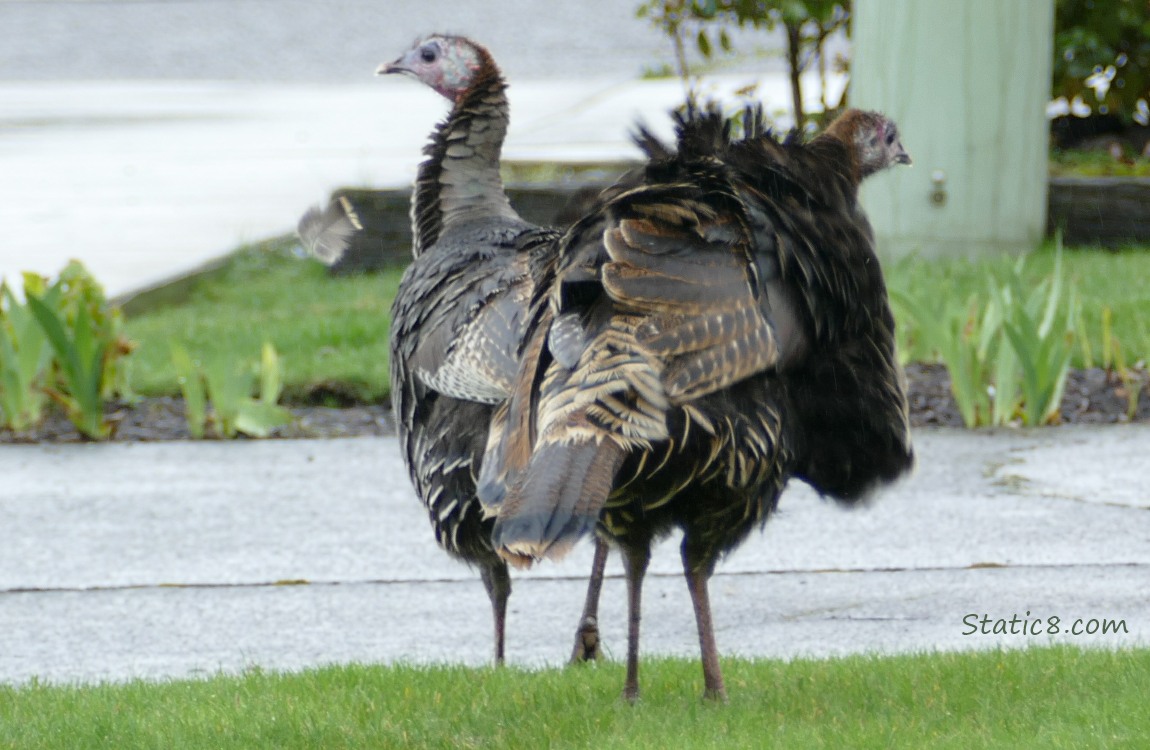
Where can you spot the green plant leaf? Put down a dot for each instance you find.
(192, 386)
(1053, 297)
(258, 418)
(1083, 340)
(956, 332)
(81, 398)
(704, 43)
(24, 357)
(271, 379)
(229, 386)
(21, 401)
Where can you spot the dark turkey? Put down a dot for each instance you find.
(458, 318)
(695, 342)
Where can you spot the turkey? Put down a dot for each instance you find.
(458, 317)
(694, 342)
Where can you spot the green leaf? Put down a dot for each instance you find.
(24, 357)
(1107, 338)
(1083, 340)
(229, 386)
(271, 379)
(1006, 392)
(794, 11)
(259, 418)
(81, 378)
(192, 386)
(34, 284)
(704, 43)
(20, 402)
(705, 8)
(1053, 296)
(956, 332)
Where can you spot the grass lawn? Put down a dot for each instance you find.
(1050, 697)
(1096, 163)
(332, 332)
(1119, 280)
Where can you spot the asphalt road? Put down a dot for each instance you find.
(182, 559)
(337, 41)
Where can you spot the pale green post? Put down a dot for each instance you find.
(967, 81)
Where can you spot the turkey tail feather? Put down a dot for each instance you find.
(557, 501)
(512, 430)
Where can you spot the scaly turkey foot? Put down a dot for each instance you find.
(586, 641)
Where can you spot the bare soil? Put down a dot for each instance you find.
(1092, 396)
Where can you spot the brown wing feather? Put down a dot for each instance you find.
(692, 279)
(678, 317)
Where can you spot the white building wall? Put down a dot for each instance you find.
(967, 81)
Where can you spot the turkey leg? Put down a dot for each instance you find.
(587, 634)
(698, 572)
(497, 581)
(635, 560)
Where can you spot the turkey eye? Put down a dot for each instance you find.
(890, 138)
(428, 55)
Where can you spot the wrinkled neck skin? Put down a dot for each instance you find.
(460, 181)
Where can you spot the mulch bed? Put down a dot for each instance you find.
(1092, 397)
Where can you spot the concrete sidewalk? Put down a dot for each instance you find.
(178, 559)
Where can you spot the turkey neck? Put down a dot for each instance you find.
(838, 145)
(460, 181)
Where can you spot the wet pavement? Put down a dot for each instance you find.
(182, 559)
(332, 41)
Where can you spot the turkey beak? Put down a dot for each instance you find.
(391, 67)
(401, 65)
(902, 157)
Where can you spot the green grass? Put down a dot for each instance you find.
(1120, 280)
(1096, 164)
(1041, 697)
(330, 332)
